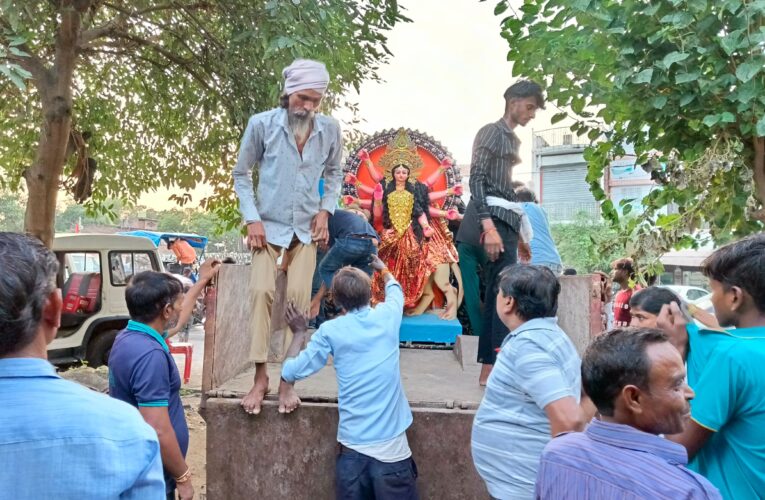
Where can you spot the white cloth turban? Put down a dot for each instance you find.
(305, 74)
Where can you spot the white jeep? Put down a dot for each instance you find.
(93, 272)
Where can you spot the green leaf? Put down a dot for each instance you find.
(711, 120)
(666, 220)
(748, 91)
(558, 117)
(686, 99)
(644, 76)
(727, 117)
(687, 77)
(748, 70)
(760, 128)
(674, 57)
(659, 101)
(678, 20)
(730, 42)
(500, 8)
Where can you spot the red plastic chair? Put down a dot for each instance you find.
(187, 349)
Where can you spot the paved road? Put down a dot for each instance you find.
(197, 339)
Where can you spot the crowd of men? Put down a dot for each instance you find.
(661, 410)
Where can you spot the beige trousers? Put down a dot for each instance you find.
(301, 260)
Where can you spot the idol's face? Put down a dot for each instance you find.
(400, 174)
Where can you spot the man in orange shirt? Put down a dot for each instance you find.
(185, 255)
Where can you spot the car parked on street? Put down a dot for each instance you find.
(687, 293)
(93, 272)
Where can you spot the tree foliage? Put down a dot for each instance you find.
(11, 213)
(681, 80)
(158, 92)
(581, 243)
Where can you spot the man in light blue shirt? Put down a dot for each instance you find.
(533, 392)
(57, 438)
(375, 461)
(291, 148)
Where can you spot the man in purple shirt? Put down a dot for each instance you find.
(636, 379)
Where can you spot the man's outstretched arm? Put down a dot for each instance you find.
(299, 365)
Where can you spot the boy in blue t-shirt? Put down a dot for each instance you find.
(725, 437)
(543, 249)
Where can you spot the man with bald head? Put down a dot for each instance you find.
(291, 147)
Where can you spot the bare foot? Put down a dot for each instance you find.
(451, 304)
(450, 312)
(288, 398)
(252, 401)
(484, 376)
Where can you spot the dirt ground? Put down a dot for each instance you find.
(196, 458)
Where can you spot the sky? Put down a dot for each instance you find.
(446, 78)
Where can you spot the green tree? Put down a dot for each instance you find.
(173, 221)
(581, 243)
(133, 95)
(11, 213)
(681, 80)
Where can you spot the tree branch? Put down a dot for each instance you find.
(157, 8)
(186, 64)
(100, 31)
(758, 166)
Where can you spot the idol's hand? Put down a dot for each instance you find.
(363, 155)
(456, 190)
(452, 214)
(446, 163)
(378, 193)
(349, 200)
(351, 179)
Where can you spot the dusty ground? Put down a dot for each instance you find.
(196, 458)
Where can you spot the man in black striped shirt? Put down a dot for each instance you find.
(488, 221)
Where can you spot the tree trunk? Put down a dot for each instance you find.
(759, 175)
(55, 91)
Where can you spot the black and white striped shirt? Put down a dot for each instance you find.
(495, 153)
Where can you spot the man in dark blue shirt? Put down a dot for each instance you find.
(142, 371)
(352, 242)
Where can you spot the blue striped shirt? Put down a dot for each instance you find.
(610, 460)
(537, 365)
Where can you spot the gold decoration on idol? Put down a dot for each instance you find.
(401, 151)
(400, 207)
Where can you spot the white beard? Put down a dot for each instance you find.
(301, 126)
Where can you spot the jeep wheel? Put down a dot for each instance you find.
(99, 348)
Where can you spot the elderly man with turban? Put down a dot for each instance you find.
(292, 147)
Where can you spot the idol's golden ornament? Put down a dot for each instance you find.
(401, 151)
